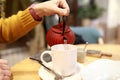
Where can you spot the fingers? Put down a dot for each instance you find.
(65, 7)
(1, 76)
(6, 78)
(62, 7)
(51, 7)
(3, 61)
(4, 64)
(4, 70)
(4, 67)
(5, 74)
(62, 12)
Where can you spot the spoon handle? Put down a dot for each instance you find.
(57, 76)
(60, 19)
(64, 24)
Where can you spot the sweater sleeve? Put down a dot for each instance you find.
(16, 26)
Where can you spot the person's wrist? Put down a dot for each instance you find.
(34, 15)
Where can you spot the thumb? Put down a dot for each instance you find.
(62, 12)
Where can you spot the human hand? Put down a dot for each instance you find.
(51, 7)
(4, 70)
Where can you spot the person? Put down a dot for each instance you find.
(14, 27)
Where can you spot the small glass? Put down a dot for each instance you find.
(81, 55)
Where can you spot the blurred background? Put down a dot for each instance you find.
(103, 15)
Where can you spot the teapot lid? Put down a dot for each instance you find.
(59, 28)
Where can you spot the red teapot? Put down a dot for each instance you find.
(57, 33)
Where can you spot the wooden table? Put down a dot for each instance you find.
(28, 69)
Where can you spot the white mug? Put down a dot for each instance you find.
(64, 60)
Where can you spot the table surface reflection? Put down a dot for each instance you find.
(28, 69)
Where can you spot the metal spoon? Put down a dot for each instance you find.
(57, 76)
(85, 46)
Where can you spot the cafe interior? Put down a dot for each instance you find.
(95, 25)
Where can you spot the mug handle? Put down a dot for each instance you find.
(42, 55)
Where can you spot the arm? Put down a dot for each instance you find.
(18, 25)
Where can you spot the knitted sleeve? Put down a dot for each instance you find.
(16, 26)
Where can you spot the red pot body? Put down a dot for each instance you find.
(55, 35)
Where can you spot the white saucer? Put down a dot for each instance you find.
(45, 75)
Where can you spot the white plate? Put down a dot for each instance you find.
(102, 69)
(45, 75)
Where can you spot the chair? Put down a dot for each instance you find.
(89, 34)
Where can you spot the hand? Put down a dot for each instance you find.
(51, 7)
(4, 70)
